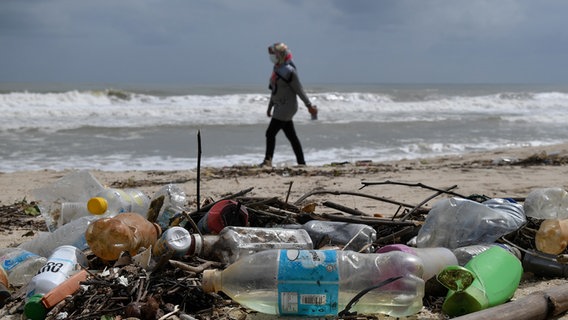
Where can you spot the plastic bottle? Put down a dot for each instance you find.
(234, 243)
(322, 282)
(350, 236)
(433, 259)
(489, 279)
(72, 233)
(552, 236)
(465, 254)
(62, 264)
(128, 231)
(4, 285)
(222, 214)
(77, 186)
(544, 265)
(112, 201)
(174, 242)
(174, 203)
(547, 203)
(71, 211)
(456, 222)
(20, 265)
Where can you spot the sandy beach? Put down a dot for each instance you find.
(501, 173)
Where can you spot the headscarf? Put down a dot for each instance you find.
(283, 55)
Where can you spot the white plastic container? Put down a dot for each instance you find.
(320, 283)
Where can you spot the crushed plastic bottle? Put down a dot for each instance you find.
(552, 236)
(174, 203)
(456, 222)
(20, 265)
(128, 231)
(322, 282)
(77, 186)
(489, 279)
(434, 260)
(350, 236)
(72, 233)
(547, 203)
(222, 214)
(233, 243)
(62, 264)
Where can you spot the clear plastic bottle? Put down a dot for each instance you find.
(434, 260)
(112, 201)
(465, 254)
(72, 233)
(127, 231)
(62, 264)
(552, 236)
(455, 222)
(234, 243)
(547, 203)
(174, 203)
(224, 213)
(77, 186)
(20, 265)
(322, 282)
(350, 236)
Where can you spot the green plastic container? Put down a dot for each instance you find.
(487, 280)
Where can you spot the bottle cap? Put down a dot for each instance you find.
(97, 205)
(34, 309)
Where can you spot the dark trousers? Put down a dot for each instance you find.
(288, 128)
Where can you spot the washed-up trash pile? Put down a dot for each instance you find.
(115, 253)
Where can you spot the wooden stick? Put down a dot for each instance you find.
(345, 209)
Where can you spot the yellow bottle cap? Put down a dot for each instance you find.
(97, 205)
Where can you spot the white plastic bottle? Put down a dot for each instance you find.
(20, 265)
(322, 282)
(62, 264)
(72, 233)
(112, 201)
(234, 243)
(174, 203)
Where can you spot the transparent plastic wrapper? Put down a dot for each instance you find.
(78, 186)
(456, 222)
(174, 203)
(322, 282)
(547, 203)
(350, 236)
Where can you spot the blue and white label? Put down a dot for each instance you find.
(308, 282)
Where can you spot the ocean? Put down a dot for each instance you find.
(155, 127)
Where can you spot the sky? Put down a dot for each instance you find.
(332, 41)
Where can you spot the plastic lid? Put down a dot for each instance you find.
(34, 309)
(97, 205)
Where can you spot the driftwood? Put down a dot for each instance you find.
(535, 306)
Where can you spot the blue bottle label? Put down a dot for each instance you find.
(9, 264)
(308, 282)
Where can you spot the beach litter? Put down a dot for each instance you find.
(141, 284)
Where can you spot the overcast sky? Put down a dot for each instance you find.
(333, 41)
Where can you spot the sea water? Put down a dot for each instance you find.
(155, 127)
